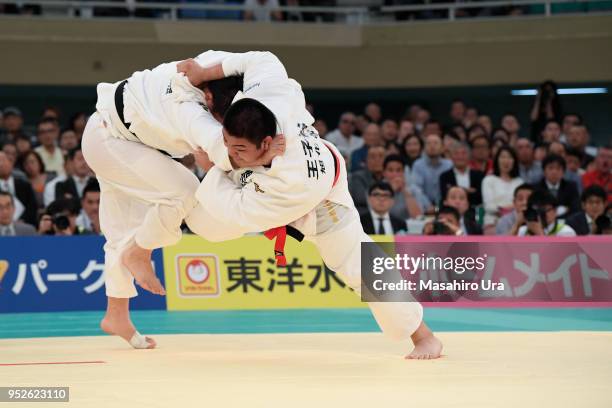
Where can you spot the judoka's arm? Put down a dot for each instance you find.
(257, 206)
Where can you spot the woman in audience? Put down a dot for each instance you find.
(497, 188)
(32, 165)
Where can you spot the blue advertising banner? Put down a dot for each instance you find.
(46, 274)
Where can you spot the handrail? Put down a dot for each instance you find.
(353, 14)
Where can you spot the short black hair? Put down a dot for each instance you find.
(47, 119)
(572, 151)
(393, 158)
(447, 209)
(73, 152)
(553, 158)
(381, 185)
(577, 115)
(7, 194)
(250, 119)
(474, 139)
(593, 190)
(540, 198)
(524, 186)
(92, 186)
(515, 167)
(69, 205)
(223, 92)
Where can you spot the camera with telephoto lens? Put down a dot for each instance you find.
(61, 222)
(439, 228)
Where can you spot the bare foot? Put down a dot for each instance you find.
(138, 261)
(122, 328)
(426, 348)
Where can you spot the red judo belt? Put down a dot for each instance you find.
(280, 233)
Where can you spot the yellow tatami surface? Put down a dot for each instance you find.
(516, 369)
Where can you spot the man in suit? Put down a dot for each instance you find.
(8, 227)
(593, 205)
(378, 220)
(25, 203)
(564, 191)
(73, 186)
(461, 175)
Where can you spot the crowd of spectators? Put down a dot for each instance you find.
(459, 175)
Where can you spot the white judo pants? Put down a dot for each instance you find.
(145, 195)
(340, 248)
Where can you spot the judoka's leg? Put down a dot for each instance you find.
(147, 176)
(341, 252)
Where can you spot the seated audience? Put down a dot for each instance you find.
(379, 220)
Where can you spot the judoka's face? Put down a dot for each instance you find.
(243, 152)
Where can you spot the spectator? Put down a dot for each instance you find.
(360, 181)
(578, 138)
(321, 127)
(569, 121)
(88, 221)
(461, 175)
(497, 188)
(48, 134)
(20, 189)
(510, 223)
(446, 223)
(546, 107)
(457, 111)
(475, 131)
(573, 160)
(600, 175)
(8, 226)
(457, 197)
(72, 187)
(49, 193)
(557, 148)
(593, 205)
(389, 131)
(34, 168)
(406, 128)
(411, 150)
(373, 113)
(481, 160)
(410, 202)
(68, 140)
(51, 112)
(551, 132)
(11, 153)
(471, 117)
(603, 223)
(360, 124)
(541, 217)
(486, 122)
(496, 144)
(13, 125)
(512, 125)
(378, 220)
(77, 124)
(565, 192)
(460, 131)
(421, 117)
(371, 137)
(427, 169)
(262, 10)
(344, 137)
(60, 218)
(23, 144)
(530, 170)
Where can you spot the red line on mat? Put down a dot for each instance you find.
(54, 362)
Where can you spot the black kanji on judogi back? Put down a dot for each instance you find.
(291, 277)
(322, 166)
(313, 169)
(307, 148)
(244, 273)
(317, 150)
(327, 274)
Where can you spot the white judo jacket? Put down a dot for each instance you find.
(166, 112)
(260, 198)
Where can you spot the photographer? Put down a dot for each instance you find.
(447, 222)
(541, 217)
(546, 106)
(60, 218)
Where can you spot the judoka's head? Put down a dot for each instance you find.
(219, 94)
(248, 131)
